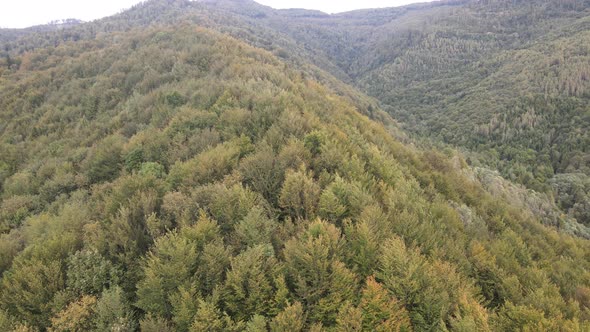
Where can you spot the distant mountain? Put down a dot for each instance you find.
(215, 166)
(508, 80)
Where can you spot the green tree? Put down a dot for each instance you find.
(248, 287)
(153, 323)
(264, 172)
(210, 318)
(185, 303)
(77, 317)
(169, 265)
(256, 324)
(350, 319)
(255, 229)
(104, 161)
(113, 312)
(320, 280)
(428, 290)
(89, 273)
(28, 289)
(133, 160)
(299, 195)
(380, 311)
(313, 142)
(291, 319)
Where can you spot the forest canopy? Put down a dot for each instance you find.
(163, 176)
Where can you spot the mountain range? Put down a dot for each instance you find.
(219, 165)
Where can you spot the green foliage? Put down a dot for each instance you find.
(210, 165)
(103, 162)
(77, 317)
(320, 280)
(133, 160)
(299, 195)
(256, 324)
(291, 319)
(209, 318)
(152, 169)
(380, 312)
(506, 80)
(89, 273)
(264, 172)
(255, 229)
(248, 286)
(429, 291)
(113, 312)
(175, 99)
(313, 142)
(28, 289)
(155, 324)
(185, 303)
(573, 194)
(343, 200)
(169, 266)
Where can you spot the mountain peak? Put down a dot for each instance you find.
(219, 165)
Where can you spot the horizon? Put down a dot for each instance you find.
(18, 15)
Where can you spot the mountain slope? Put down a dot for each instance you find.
(169, 177)
(507, 80)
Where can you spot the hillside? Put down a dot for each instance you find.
(161, 171)
(507, 80)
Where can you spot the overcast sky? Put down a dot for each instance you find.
(24, 13)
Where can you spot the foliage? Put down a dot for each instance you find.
(164, 176)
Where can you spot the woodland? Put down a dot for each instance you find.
(225, 166)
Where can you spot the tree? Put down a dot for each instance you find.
(170, 264)
(264, 173)
(6, 322)
(365, 237)
(299, 195)
(313, 142)
(256, 324)
(380, 311)
(104, 161)
(350, 319)
(185, 303)
(210, 165)
(248, 287)
(228, 204)
(320, 280)
(330, 206)
(133, 159)
(89, 273)
(343, 199)
(292, 319)
(155, 324)
(428, 290)
(152, 169)
(255, 229)
(28, 289)
(210, 318)
(77, 317)
(113, 313)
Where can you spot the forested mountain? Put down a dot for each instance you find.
(199, 166)
(508, 80)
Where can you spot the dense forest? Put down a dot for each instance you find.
(508, 81)
(197, 166)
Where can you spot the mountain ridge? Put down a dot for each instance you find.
(171, 169)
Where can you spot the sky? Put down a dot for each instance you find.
(25, 13)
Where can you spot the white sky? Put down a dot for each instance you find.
(24, 13)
